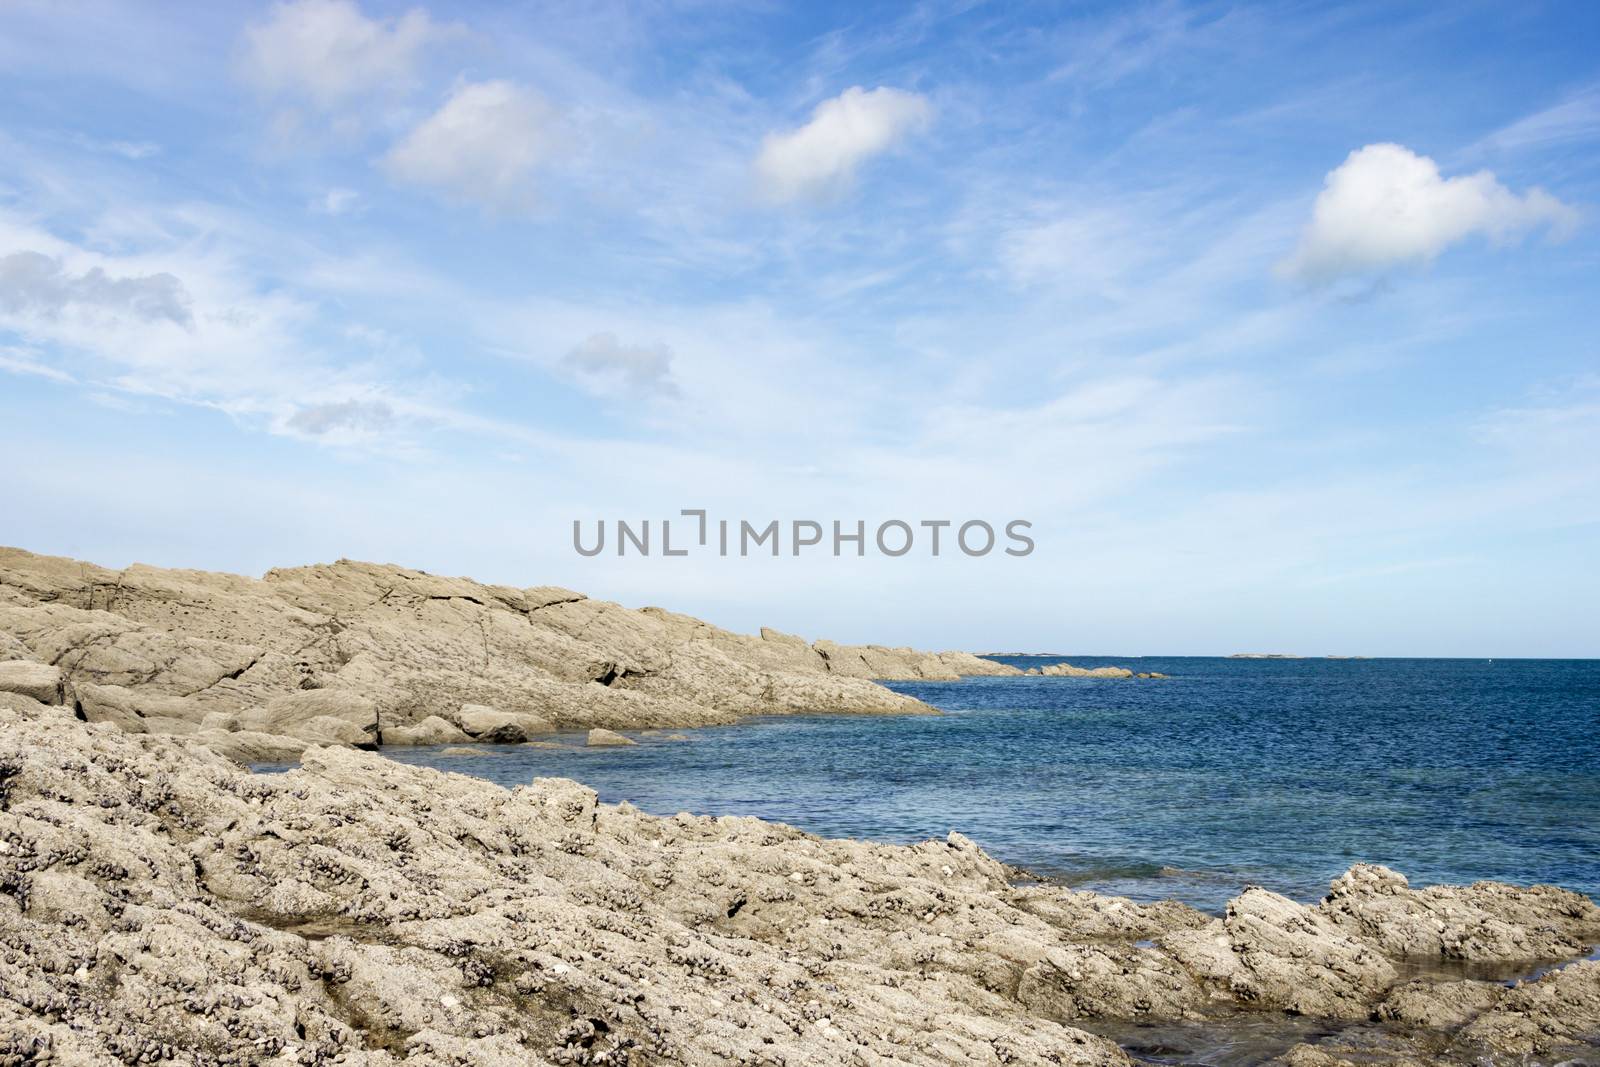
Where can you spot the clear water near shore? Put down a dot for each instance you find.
(1274, 772)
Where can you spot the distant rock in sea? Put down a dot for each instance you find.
(1067, 670)
(599, 738)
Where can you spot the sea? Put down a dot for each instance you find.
(1227, 773)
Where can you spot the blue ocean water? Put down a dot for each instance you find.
(1272, 772)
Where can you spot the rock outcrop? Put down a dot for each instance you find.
(386, 650)
(500, 727)
(1487, 921)
(160, 904)
(1067, 670)
(601, 738)
(37, 681)
(430, 731)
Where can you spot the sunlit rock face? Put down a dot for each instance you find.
(159, 903)
(384, 648)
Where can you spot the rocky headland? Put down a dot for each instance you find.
(367, 654)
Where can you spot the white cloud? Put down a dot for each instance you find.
(1123, 45)
(134, 149)
(341, 421)
(820, 158)
(1386, 206)
(1091, 251)
(327, 51)
(34, 283)
(483, 146)
(254, 351)
(336, 202)
(1574, 120)
(1557, 430)
(20, 361)
(131, 150)
(602, 364)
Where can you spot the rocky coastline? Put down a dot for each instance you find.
(161, 903)
(367, 654)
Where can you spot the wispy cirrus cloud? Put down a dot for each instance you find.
(1054, 298)
(1105, 52)
(199, 328)
(1575, 119)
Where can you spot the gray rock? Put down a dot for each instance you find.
(157, 896)
(329, 730)
(40, 681)
(418, 645)
(1269, 950)
(1067, 670)
(250, 747)
(284, 712)
(1486, 921)
(220, 720)
(135, 710)
(500, 727)
(430, 731)
(601, 738)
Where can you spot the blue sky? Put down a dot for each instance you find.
(1278, 322)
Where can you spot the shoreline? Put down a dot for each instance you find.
(359, 907)
(1146, 883)
(370, 655)
(160, 899)
(356, 653)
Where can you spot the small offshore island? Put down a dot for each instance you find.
(162, 903)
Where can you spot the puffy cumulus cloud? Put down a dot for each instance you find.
(602, 364)
(37, 284)
(1386, 206)
(327, 51)
(820, 159)
(482, 146)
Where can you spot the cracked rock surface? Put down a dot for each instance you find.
(160, 904)
(386, 648)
